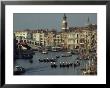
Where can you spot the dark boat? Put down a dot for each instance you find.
(53, 65)
(57, 56)
(66, 64)
(77, 63)
(47, 60)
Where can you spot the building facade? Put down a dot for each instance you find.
(21, 34)
(70, 38)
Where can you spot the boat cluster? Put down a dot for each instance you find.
(66, 55)
(47, 60)
(65, 64)
(54, 63)
(61, 65)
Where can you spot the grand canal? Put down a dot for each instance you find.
(37, 68)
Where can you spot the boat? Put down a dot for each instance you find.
(53, 65)
(57, 56)
(77, 63)
(19, 70)
(44, 52)
(47, 60)
(56, 49)
(69, 52)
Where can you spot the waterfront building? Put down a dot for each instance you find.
(69, 38)
(30, 38)
(64, 39)
(36, 38)
(21, 34)
(49, 38)
(42, 37)
(58, 39)
(94, 40)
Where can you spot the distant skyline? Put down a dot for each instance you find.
(50, 21)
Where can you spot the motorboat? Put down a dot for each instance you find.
(19, 70)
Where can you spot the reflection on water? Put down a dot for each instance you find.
(36, 68)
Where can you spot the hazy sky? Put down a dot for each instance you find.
(23, 21)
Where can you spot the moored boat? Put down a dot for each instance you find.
(69, 52)
(18, 70)
(27, 56)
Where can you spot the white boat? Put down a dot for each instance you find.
(69, 52)
(44, 52)
(54, 49)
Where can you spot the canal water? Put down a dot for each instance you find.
(37, 68)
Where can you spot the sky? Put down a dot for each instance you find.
(22, 21)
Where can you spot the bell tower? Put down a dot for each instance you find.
(64, 23)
